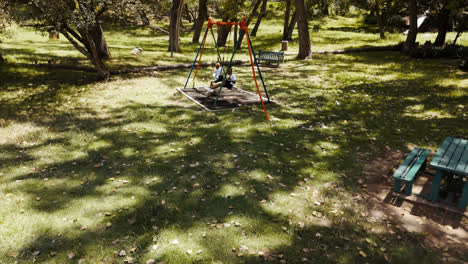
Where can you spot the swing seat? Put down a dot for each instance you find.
(228, 100)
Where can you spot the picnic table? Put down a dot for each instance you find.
(451, 159)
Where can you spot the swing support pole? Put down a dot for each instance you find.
(196, 57)
(253, 72)
(259, 71)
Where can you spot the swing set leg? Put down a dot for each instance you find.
(196, 57)
(255, 77)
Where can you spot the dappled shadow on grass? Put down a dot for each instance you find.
(188, 207)
(319, 135)
(46, 90)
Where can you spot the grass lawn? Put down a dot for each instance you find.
(130, 170)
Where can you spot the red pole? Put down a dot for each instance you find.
(199, 60)
(253, 70)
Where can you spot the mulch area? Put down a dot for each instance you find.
(229, 98)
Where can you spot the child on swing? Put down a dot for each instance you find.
(229, 83)
(218, 72)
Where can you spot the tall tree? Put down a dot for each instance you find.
(292, 25)
(287, 14)
(447, 13)
(176, 13)
(410, 42)
(79, 22)
(262, 14)
(253, 12)
(228, 10)
(202, 17)
(303, 29)
(380, 21)
(4, 22)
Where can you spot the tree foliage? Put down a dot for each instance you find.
(79, 21)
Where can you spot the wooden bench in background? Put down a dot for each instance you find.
(269, 57)
(414, 163)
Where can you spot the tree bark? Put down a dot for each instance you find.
(380, 21)
(256, 4)
(101, 44)
(443, 27)
(223, 34)
(303, 29)
(176, 12)
(292, 25)
(202, 16)
(410, 42)
(259, 19)
(457, 36)
(287, 14)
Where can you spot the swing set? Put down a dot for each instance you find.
(253, 59)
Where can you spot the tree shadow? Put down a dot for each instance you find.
(322, 144)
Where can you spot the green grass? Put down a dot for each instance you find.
(94, 168)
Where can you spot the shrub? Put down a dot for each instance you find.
(396, 23)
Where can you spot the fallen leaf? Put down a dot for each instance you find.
(133, 250)
(36, 253)
(14, 254)
(362, 254)
(131, 221)
(175, 242)
(199, 251)
(53, 253)
(122, 253)
(108, 224)
(150, 261)
(305, 250)
(189, 251)
(83, 228)
(129, 260)
(38, 198)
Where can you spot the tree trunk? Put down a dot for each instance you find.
(144, 18)
(176, 12)
(324, 7)
(94, 55)
(256, 4)
(287, 14)
(457, 36)
(101, 44)
(292, 25)
(380, 21)
(259, 19)
(443, 27)
(303, 29)
(413, 27)
(223, 33)
(202, 16)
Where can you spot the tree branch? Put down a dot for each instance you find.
(75, 44)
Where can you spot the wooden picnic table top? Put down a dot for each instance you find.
(452, 156)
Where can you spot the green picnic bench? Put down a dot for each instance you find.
(414, 163)
(270, 57)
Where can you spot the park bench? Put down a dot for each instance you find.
(270, 57)
(414, 163)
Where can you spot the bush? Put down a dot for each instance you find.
(370, 20)
(428, 50)
(396, 23)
